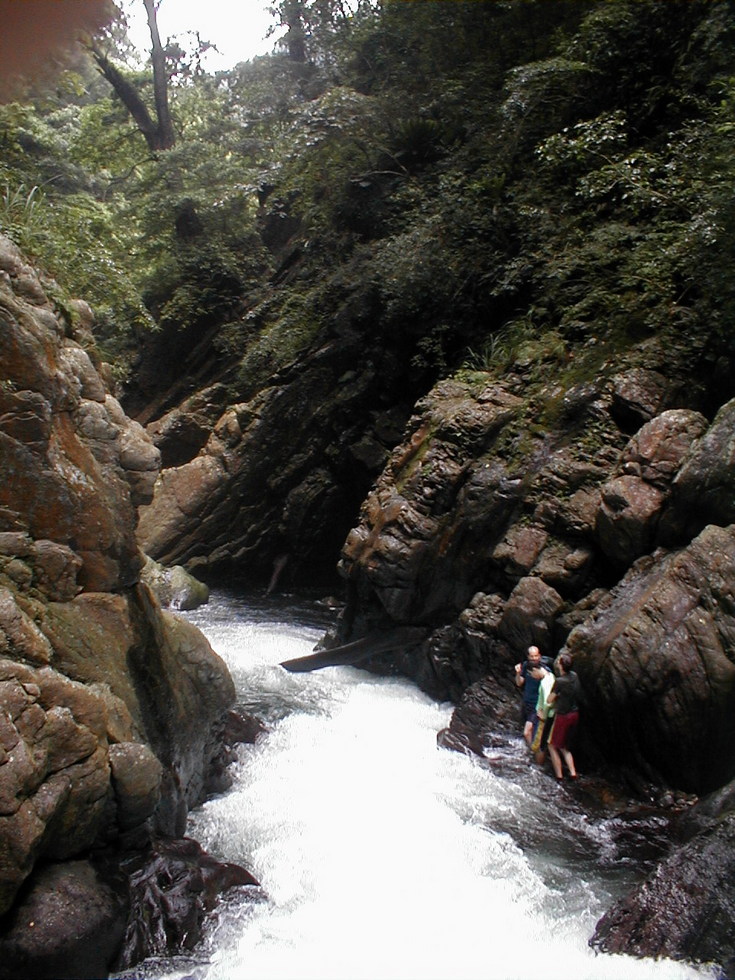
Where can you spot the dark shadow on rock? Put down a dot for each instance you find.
(81, 920)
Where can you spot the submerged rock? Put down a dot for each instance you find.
(87, 918)
(174, 587)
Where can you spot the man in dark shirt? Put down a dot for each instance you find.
(528, 676)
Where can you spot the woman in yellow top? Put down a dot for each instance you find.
(544, 717)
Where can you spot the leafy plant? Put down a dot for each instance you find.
(19, 218)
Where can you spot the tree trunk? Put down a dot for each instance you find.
(293, 17)
(158, 131)
(165, 135)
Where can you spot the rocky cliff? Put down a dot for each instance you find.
(561, 234)
(111, 710)
(575, 496)
(579, 498)
(583, 505)
(517, 362)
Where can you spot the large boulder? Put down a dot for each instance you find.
(656, 657)
(111, 726)
(633, 501)
(111, 711)
(702, 492)
(174, 587)
(685, 909)
(77, 924)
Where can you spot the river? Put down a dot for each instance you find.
(382, 857)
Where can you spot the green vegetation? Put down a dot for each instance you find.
(477, 185)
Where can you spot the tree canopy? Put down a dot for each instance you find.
(471, 170)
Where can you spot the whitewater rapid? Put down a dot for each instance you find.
(380, 856)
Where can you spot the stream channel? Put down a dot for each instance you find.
(382, 857)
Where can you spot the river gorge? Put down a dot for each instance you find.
(383, 857)
(443, 334)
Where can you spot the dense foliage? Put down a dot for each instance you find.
(467, 177)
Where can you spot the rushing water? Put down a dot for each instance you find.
(380, 856)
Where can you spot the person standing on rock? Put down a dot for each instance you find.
(544, 717)
(565, 696)
(528, 676)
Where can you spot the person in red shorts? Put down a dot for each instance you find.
(565, 696)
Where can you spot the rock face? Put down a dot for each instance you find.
(74, 467)
(522, 510)
(111, 710)
(674, 913)
(657, 656)
(271, 483)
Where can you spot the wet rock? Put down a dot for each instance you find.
(484, 710)
(242, 727)
(685, 909)
(174, 587)
(69, 924)
(657, 655)
(172, 888)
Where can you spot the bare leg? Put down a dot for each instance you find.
(528, 732)
(569, 759)
(555, 761)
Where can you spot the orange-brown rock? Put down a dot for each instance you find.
(111, 710)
